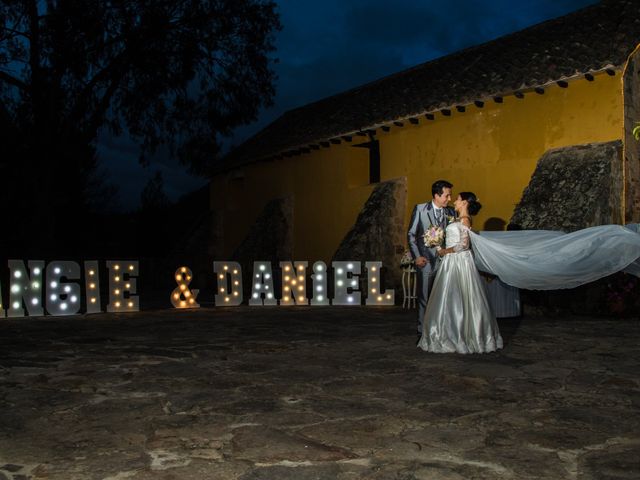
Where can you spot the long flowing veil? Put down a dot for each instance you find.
(551, 260)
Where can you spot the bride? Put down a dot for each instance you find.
(458, 317)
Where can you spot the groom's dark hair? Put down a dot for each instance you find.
(438, 187)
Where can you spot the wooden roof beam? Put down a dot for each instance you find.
(414, 121)
(479, 103)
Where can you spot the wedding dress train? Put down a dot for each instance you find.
(551, 260)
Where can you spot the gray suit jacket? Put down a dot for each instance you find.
(422, 218)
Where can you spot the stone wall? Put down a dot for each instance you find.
(574, 187)
(631, 86)
(379, 231)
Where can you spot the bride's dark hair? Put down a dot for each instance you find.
(474, 205)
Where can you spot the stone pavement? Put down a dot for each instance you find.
(314, 393)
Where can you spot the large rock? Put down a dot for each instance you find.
(270, 238)
(379, 233)
(574, 187)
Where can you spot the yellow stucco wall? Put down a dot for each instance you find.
(329, 188)
(491, 151)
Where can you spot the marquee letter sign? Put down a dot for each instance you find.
(92, 286)
(376, 296)
(36, 287)
(63, 298)
(319, 278)
(229, 276)
(24, 287)
(262, 293)
(346, 283)
(182, 296)
(122, 286)
(294, 283)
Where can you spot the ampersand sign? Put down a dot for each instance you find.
(183, 296)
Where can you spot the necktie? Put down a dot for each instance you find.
(439, 215)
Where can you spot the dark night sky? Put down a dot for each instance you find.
(330, 46)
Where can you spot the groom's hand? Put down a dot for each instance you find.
(421, 262)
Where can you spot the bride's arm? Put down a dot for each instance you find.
(463, 244)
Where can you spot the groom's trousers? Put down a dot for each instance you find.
(424, 278)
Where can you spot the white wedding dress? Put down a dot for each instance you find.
(458, 317)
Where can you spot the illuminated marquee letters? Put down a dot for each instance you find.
(293, 286)
(262, 291)
(229, 276)
(56, 288)
(25, 287)
(38, 287)
(182, 296)
(122, 286)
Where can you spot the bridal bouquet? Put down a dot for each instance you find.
(433, 237)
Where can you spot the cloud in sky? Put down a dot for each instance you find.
(331, 46)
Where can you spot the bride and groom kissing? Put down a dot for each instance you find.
(454, 314)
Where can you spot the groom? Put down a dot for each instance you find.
(434, 213)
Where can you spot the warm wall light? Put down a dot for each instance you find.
(319, 279)
(294, 286)
(124, 300)
(262, 292)
(346, 283)
(24, 287)
(182, 296)
(228, 274)
(62, 297)
(376, 296)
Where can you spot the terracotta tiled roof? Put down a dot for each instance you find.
(593, 39)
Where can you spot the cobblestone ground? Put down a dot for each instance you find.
(303, 393)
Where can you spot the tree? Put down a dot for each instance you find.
(153, 196)
(178, 73)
